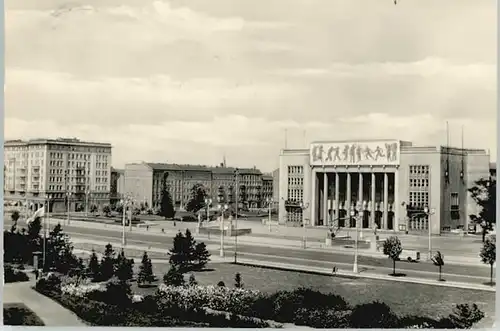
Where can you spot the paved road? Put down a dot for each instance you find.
(297, 256)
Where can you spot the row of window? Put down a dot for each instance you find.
(296, 170)
(295, 194)
(417, 182)
(419, 169)
(295, 181)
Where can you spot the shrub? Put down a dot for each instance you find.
(373, 315)
(13, 276)
(19, 314)
(173, 277)
(189, 218)
(51, 283)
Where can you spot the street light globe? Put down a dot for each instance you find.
(226, 207)
(352, 213)
(361, 213)
(426, 209)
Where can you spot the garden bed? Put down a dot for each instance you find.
(20, 314)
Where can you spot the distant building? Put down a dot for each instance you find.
(267, 190)
(276, 185)
(391, 181)
(117, 186)
(145, 182)
(41, 170)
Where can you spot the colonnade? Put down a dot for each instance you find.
(338, 192)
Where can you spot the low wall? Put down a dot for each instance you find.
(230, 233)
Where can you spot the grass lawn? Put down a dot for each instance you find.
(19, 314)
(403, 298)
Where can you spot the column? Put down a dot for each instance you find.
(325, 198)
(386, 197)
(360, 190)
(396, 207)
(372, 197)
(348, 197)
(337, 201)
(312, 205)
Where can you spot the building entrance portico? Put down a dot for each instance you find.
(361, 183)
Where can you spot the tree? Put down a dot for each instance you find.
(107, 268)
(192, 280)
(145, 270)
(187, 254)
(484, 194)
(462, 317)
(488, 254)
(438, 260)
(373, 315)
(93, 266)
(392, 248)
(197, 201)
(15, 217)
(173, 277)
(106, 209)
(237, 281)
(179, 254)
(221, 284)
(59, 252)
(93, 209)
(124, 267)
(167, 209)
(202, 255)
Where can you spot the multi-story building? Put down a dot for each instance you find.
(391, 181)
(276, 184)
(267, 189)
(145, 182)
(117, 185)
(41, 170)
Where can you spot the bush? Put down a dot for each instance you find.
(373, 315)
(48, 284)
(19, 314)
(189, 218)
(13, 276)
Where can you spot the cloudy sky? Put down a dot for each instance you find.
(189, 81)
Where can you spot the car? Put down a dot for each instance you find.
(410, 255)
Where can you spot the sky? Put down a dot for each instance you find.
(191, 81)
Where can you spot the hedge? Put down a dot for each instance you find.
(13, 276)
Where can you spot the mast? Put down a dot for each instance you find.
(447, 169)
(462, 172)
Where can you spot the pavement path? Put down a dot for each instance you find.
(49, 311)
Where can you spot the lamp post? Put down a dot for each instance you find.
(304, 225)
(429, 212)
(222, 209)
(357, 219)
(68, 194)
(46, 219)
(208, 202)
(269, 203)
(125, 202)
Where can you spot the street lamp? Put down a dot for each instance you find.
(68, 195)
(46, 218)
(429, 212)
(208, 202)
(222, 210)
(357, 219)
(125, 202)
(304, 234)
(269, 203)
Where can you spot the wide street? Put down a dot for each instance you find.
(291, 255)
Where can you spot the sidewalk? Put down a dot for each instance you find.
(328, 271)
(49, 311)
(277, 241)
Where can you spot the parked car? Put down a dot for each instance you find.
(410, 255)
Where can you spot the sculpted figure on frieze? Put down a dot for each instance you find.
(317, 153)
(378, 153)
(345, 152)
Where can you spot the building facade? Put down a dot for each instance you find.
(267, 189)
(57, 170)
(117, 185)
(145, 181)
(391, 181)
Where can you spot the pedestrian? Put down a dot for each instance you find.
(162, 230)
(334, 270)
(147, 227)
(36, 274)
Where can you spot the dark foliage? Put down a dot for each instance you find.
(124, 268)
(13, 276)
(107, 266)
(484, 193)
(238, 283)
(167, 209)
(197, 201)
(93, 267)
(188, 255)
(174, 277)
(19, 314)
(373, 315)
(145, 270)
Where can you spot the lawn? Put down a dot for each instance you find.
(19, 314)
(403, 298)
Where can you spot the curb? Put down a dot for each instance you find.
(350, 275)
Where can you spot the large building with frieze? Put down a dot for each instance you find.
(391, 181)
